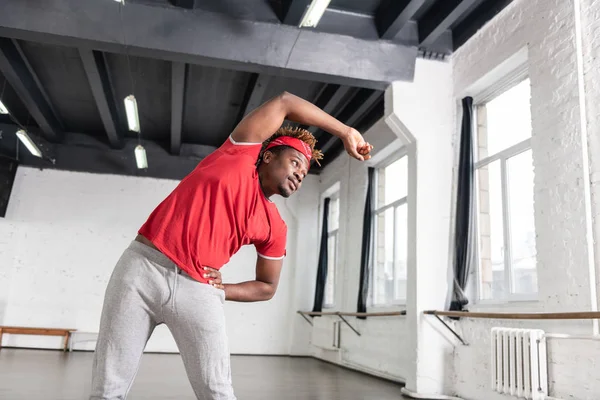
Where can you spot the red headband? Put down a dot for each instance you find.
(293, 143)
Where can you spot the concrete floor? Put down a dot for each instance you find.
(53, 375)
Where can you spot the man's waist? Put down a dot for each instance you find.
(142, 239)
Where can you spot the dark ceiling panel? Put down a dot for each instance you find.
(396, 18)
(152, 89)
(357, 6)
(253, 10)
(351, 24)
(212, 104)
(22, 77)
(481, 15)
(442, 18)
(197, 71)
(363, 125)
(62, 76)
(11, 100)
(307, 90)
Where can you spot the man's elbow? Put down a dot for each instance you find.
(284, 98)
(269, 291)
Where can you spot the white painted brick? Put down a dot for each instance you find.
(65, 231)
(547, 28)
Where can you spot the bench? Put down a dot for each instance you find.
(22, 330)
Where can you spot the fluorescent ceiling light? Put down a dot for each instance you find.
(314, 13)
(3, 109)
(131, 108)
(140, 157)
(31, 146)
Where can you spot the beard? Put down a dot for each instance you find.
(284, 191)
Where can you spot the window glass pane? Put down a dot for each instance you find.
(329, 299)
(383, 274)
(333, 222)
(522, 226)
(400, 264)
(505, 121)
(491, 229)
(392, 182)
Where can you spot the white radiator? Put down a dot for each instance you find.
(519, 363)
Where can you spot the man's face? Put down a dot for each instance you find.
(286, 170)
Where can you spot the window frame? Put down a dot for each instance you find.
(334, 193)
(503, 156)
(403, 152)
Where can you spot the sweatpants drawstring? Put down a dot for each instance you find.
(174, 289)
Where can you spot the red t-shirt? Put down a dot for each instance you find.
(216, 209)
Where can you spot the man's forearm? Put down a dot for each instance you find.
(306, 113)
(249, 291)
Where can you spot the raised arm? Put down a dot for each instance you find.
(261, 123)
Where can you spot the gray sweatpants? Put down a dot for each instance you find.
(147, 289)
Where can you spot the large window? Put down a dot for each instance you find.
(332, 246)
(504, 179)
(388, 282)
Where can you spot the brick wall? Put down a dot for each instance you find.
(64, 232)
(547, 29)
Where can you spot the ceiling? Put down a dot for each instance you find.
(197, 67)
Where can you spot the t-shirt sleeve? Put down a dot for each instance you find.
(275, 247)
(250, 151)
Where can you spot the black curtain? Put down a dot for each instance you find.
(464, 232)
(363, 287)
(322, 268)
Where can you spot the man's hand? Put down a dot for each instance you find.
(214, 277)
(356, 146)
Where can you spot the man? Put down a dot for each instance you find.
(165, 275)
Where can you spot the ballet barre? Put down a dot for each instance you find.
(341, 315)
(513, 316)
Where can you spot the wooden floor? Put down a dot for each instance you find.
(53, 375)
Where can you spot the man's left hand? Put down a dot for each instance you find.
(214, 277)
(356, 146)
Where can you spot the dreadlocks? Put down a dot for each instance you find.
(297, 133)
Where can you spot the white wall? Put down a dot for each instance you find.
(382, 348)
(546, 28)
(590, 26)
(389, 346)
(63, 234)
(424, 117)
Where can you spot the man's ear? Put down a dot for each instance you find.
(267, 157)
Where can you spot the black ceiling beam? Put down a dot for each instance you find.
(333, 99)
(366, 122)
(83, 153)
(441, 18)
(178, 84)
(293, 10)
(171, 33)
(96, 70)
(478, 18)
(367, 100)
(255, 92)
(393, 15)
(22, 79)
(189, 4)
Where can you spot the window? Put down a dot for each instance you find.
(333, 224)
(388, 282)
(504, 179)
